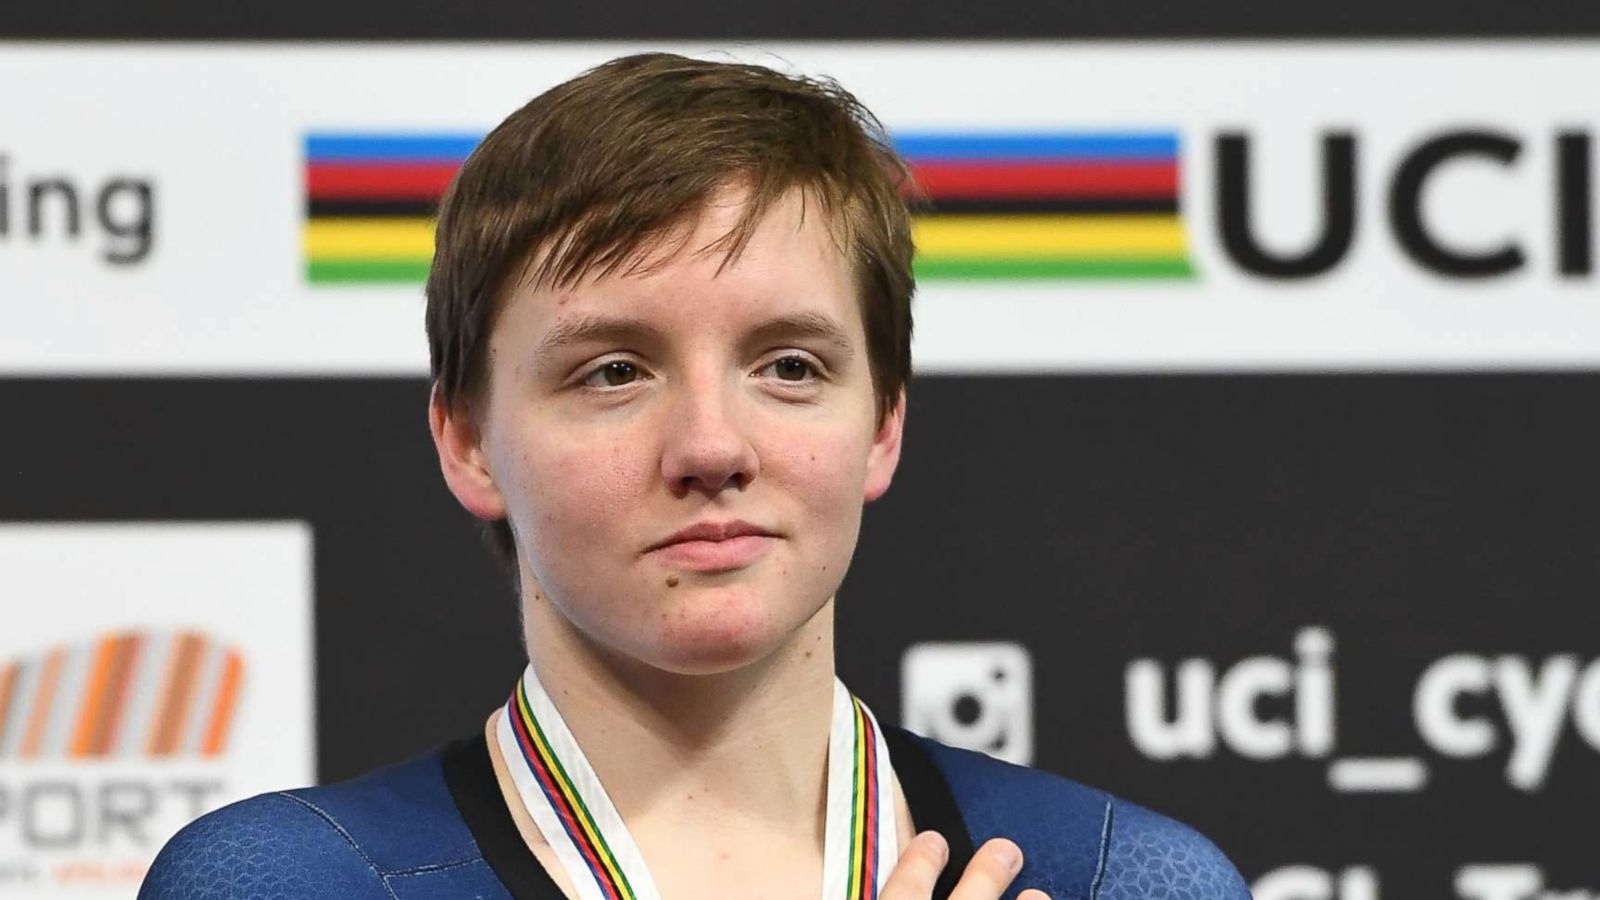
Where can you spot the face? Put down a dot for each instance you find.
(683, 454)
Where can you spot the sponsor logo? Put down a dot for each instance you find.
(370, 200)
(163, 669)
(110, 744)
(1464, 706)
(978, 696)
(1419, 240)
(1054, 205)
(1269, 708)
(1048, 205)
(125, 694)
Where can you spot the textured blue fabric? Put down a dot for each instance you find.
(392, 834)
(271, 847)
(1079, 843)
(1151, 856)
(369, 807)
(470, 879)
(395, 834)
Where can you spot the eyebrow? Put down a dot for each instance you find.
(808, 324)
(583, 329)
(607, 329)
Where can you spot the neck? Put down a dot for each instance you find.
(748, 745)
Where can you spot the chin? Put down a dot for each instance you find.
(703, 660)
(714, 646)
(719, 631)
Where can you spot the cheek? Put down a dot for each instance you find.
(572, 491)
(824, 465)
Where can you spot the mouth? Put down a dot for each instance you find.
(716, 556)
(714, 546)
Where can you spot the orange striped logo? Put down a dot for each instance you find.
(129, 693)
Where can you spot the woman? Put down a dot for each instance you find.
(669, 320)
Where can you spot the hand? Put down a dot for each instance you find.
(986, 878)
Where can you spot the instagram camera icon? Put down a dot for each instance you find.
(977, 696)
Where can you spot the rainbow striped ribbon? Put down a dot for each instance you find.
(564, 797)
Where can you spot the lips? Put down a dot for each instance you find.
(715, 532)
(714, 546)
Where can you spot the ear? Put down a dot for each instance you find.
(461, 458)
(885, 453)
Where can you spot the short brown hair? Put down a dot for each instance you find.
(598, 170)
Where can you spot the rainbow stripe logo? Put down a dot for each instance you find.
(1048, 205)
(123, 694)
(370, 201)
(1000, 206)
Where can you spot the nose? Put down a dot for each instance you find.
(707, 447)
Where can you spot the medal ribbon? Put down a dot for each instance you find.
(564, 797)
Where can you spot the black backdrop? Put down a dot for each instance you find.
(502, 20)
(1094, 519)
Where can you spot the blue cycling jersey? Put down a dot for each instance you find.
(438, 827)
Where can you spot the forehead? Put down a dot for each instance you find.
(792, 262)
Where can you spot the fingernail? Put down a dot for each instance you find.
(1009, 856)
(938, 845)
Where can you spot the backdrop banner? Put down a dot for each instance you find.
(264, 209)
(1250, 467)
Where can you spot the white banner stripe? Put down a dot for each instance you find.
(143, 695)
(16, 724)
(67, 701)
(208, 684)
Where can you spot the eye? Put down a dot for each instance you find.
(791, 368)
(617, 373)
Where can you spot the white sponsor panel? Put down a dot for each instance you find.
(156, 671)
(186, 164)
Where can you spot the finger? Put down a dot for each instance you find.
(990, 872)
(918, 869)
(1033, 894)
